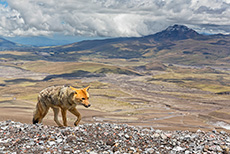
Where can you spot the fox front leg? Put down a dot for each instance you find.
(63, 112)
(77, 114)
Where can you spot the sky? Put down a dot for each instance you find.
(110, 18)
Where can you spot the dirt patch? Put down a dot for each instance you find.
(220, 115)
(13, 72)
(25, 115)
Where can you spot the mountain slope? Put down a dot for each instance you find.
(7, 45)
(176, 32)
(176, 44)
(172, 33)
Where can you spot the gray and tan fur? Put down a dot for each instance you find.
(61, 97)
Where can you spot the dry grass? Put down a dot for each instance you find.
(63, 67)
(15, 53)
(195, 78)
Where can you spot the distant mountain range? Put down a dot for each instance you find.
(176, 44)
(55, 40)
(35, 41)
(6, 44)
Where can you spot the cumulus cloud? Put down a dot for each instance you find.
(111, 18)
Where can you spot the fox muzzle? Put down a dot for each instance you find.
(87, 105)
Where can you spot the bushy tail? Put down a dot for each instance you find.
(35, 120)
(38, 113)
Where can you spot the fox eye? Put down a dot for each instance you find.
(75, 92)
(83, 98)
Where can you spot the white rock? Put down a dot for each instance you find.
(51, 143)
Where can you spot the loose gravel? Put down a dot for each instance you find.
(106, 138)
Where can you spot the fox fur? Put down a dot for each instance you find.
(61, 97)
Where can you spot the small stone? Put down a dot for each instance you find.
(71, 139)
(228, 139)
(206, 147)
(222, 132)
(150, 150)
(126, 136)
(187, 137)
(212, 136)
(51, 143)
(4, 128)
(133, 149)
(121, 134)
(158, 131)
(182, 138)
(219, 149)
(59, 140)
(156, 135)
(169, 135)
(199, 147)
(41, 142)
(226, 150)
(178, 149)
(187, 152)
(110, 143)
(214, 131)
(192, 145)
(31, 143)
(163, 136)
(198, 131)
(8, 121)
(115, 149)
(66, 147)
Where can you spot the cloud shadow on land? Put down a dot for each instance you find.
(75, 74)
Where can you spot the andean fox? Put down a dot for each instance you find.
(61, 98)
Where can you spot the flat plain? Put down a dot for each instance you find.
(137, 92)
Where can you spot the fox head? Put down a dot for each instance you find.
(81, 96)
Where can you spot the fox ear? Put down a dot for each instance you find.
(87, 88)
(71, 91)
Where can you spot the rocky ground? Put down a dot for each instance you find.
(16, 137)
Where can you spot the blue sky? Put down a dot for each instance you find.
(110, 18)
(3, 3)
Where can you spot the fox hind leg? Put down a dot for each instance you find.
(44, 114)
(56, 111)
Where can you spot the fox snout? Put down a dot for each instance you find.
(87, 105)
